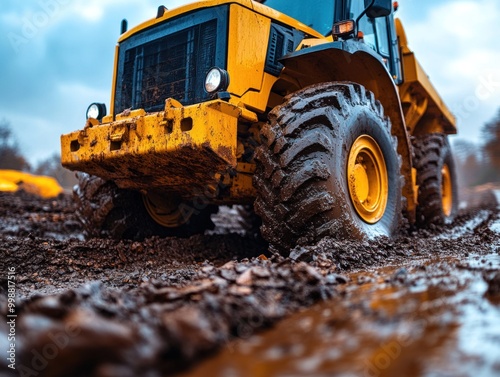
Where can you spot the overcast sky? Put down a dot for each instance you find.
(57, 58)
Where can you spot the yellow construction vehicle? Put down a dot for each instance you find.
(317, 114)
(40, 185)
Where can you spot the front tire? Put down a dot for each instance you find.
(328, 166)
(107, 211)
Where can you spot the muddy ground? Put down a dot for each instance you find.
(424, 304)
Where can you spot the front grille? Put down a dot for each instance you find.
(172, 65)
(282, 40)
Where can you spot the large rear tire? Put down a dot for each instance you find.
(436, 180)
(110, 212)
(327, 166)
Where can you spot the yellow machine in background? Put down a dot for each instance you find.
(13, 180)
(320, 116)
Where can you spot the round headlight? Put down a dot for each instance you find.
(216, 80)
(96, 111)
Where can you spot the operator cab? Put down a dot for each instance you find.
(369, 21)
(373, 23)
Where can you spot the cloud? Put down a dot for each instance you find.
(64, 60)
(455, 42)
(61, 66)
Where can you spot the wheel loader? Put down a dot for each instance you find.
(316, 116)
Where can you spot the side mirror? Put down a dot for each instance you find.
(378, 8)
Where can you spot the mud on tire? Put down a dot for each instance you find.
(301, 179)
(432, 154)
(110, 212)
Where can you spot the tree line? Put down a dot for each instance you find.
(11, 158)
(479, 164)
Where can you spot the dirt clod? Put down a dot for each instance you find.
(493, 285)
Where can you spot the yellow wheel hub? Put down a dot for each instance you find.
(367, 179)
(446, 191)
(165, 212)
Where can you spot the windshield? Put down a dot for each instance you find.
(317, 14)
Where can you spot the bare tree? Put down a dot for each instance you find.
(470, 166)
(491, 135)
(10, 156)
(53, 168)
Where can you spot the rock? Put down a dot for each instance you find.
(336, 279)
(240, 290)
(307, 273)
(400, 276)
(228, 274)
(301, 254)
(245, 278)
(229, 265)
(50, 306)
(191, 330)
(261, 272)
(493, 285)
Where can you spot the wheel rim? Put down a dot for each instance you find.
(167, 213)
(446, 190)
(367, 179)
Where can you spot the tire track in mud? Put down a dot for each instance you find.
(162, 304)
(422, 318)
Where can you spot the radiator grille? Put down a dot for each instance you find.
(282, 40)
(170, 66)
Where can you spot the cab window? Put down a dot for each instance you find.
(382, 37)
(319, 15)
(374, 30)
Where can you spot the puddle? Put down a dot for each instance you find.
(487, 262)
(468, 227)
(495, 226)
(428, 318)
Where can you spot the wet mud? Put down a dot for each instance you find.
(424, 303)
(436, 317)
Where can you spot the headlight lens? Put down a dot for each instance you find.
(96, 111)
(216, 80)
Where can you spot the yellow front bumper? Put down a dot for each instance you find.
(180, 148)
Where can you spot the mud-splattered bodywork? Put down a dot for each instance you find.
(179, 149)
(165, 133)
